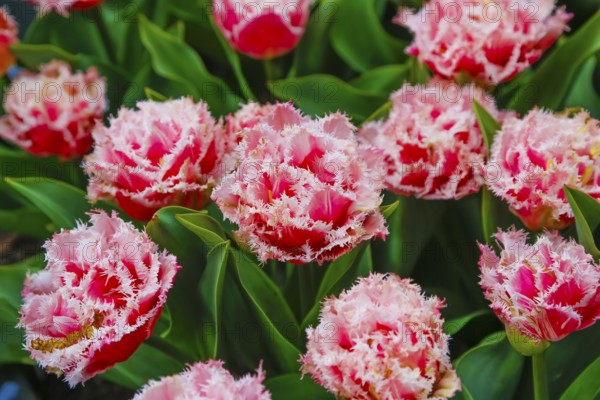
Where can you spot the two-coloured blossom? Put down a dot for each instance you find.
(304, 190)
(8, 37)
(431, 142)
(247, 116)
(490, 41)
(539, 154)
(98, 298)
(63, 7)
(53, 112)
(381, 339)
(161, 154)
(545, 290)
(206, 381)
(260, 28)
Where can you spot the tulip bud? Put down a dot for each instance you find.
(260, 28)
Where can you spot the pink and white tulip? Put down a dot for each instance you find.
(381, 339)
(53, 112)
(206, 381)
(262, 29)
(247, 116)
(539, 154)
(8, 37)
(546, 290)
(161, 154)
(489, 41)
(304, 190)
(98, 298)
(431, 142)
(63, 7)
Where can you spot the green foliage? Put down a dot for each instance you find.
(373, 47)
(11, 282)
(587, 218)
(176, 61)
(490, 370)
(550, 82)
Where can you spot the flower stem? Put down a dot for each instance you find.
(271, 70)
(540, 377)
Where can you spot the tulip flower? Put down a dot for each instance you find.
(53, 112)
(381, 339)
(431, 142)
(539, 154)
(490, 42)
(206, 381)
(262, 29)
(304, 190)
(161, 154)
(98, 298)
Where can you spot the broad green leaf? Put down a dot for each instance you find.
(488, 124)
(201, 34)
(320, 94)
(164, 324)
(62, 203)
(568, 358)
(489, 127)
(117, 22)
(552, 79)
(244, 340)
(411, 227)
(11, 345)
(11, 284)
(338, 271)
(582, 93)
(145, 364)
(273, 311)
(203, 226)
(491, 370)
(488, 214)
(84, 35)
(369, 48)
(383, 80)
(17, 163)
(174, 60)
(32, 55)
(389, 209)
(26, 221)
(12, 278)
(296, 387)
(365, 267)
(197, 11)
(183, 300)
(453, 326)
(586, 386)
(314, 52)
(168, 233)
(211, 290)
(587, 218)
